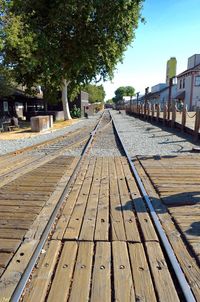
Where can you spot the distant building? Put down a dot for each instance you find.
(188, 83)
(159, 94)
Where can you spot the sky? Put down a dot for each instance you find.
(172, 29)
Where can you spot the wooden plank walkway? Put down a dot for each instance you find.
(26, 205)
(104, 242)
(177, 181)
(178, 212)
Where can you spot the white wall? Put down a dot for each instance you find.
(187, 89)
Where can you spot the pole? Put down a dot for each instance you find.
(137, 94)
(145, 101)
(169, 98)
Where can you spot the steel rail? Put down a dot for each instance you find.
(26, 275)
(189, 297)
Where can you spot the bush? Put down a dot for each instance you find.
(75, 112)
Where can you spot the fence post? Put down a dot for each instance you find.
(145, 111)
(157, 112)
(152, 112)
(148, 111)
(173, 114)
(197, 124)
(142, 110)
(139, 109)
(183, 120)
(165, 114)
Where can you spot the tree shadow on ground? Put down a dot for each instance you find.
(162, 205)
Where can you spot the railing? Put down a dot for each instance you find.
(175, 118)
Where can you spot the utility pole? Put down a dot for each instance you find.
(137, 94)
(145, 100)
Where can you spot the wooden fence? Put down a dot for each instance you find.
(175, 118)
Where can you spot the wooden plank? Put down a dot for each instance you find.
(20, 202)
(143, 284)
(102, 218)
(17, 216)
(143, 216)
(75, 222)
(15, 269)
(19, 209)
(12, 233)
(89, 219)
(9, 245)
(41, 221)
(144, 219)
(132, 233)
(123, 282)
(70, 202)
(101, 281)
(82, 273)
(38, 288)
(15, 224)
(59, 290)
(162, 279)
(5, 258)
(116, 213)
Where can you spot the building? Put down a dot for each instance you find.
(18, 103)
(159, 94)
(188, 83)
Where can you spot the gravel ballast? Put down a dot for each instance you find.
(143, 138)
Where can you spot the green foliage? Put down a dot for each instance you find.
(123, 91)
(80, 41)
(96, 93)
(130, 91)
(109, 101)
(75, 112)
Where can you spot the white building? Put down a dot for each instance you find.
(188, 83)
(160, 94)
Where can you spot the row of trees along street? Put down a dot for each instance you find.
(62, 44)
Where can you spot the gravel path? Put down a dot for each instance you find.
(143, 138)
(105, 143)
(7, 146)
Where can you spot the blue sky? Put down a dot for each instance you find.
(172, 29)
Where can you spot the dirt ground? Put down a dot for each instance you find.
(25, 130)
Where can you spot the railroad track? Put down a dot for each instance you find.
(17, 163)
(103, 237)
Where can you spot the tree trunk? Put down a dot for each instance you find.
(67, 115)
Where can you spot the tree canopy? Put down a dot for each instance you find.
(60, 42)
(96, 93)
(122, 92)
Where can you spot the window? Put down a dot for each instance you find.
(197, 81)
(180, 84)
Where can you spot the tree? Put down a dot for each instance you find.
(59, 43)
(123, 91)
(130, 91)
(120, 93)
(109, 101)
(96, 93)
